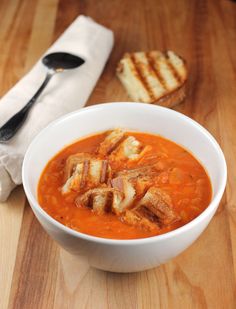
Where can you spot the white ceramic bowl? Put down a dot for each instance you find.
(124, 255)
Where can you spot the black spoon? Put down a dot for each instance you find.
(55, 62)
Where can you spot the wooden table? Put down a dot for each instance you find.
(34, 271)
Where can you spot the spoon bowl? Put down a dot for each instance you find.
(62, 61)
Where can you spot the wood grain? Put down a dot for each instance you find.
(34, 271)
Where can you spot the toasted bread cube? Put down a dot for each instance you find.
(123, 185)
(100, 199)
(72, 161)
(111, 141)
(74, 181)
(129, 149)
(95, 171)
(156, 205)
(89, 173)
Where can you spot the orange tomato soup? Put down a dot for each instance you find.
(181, 176)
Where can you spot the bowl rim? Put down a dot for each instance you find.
(109, 241)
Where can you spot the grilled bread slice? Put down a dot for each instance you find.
(153, 77)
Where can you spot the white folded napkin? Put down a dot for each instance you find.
(66, 92)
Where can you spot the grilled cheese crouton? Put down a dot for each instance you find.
(156, 205)
(89, 172)
(122, 147)
(127, 188)
(133, 184)
(75, 180)
(100, 199)
(154, 210)
(129, 149)
(111, 141)
(153, 77)
(72, 162)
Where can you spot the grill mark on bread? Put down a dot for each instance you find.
(109, 200)
(153, 64)
(117, 144)
(84, 174)
(90, 201)
(104, 171)
(113, 146)
(147, 213)
(173, 69)
(141, 77)
(158, 70)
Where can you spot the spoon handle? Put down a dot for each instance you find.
(9, 129)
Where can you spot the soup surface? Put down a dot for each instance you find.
(147, 185)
